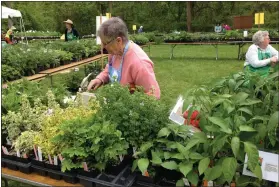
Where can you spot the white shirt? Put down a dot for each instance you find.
(253, 59)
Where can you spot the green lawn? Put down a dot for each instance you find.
(192, 65)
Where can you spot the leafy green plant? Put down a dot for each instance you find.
(90, 140)
(138, 116)
(139, 39)
(25, 142)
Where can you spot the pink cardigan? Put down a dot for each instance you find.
(137, 70)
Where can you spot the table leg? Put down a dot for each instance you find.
(149, 46)
(240, 46)
(6, 182)
(216, 50)
(172, 47)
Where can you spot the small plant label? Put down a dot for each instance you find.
(134, 150)
(50, 160)
(85, 167)
(186, 182)
(17, 153)
(60, 157)
(35, 151)
(25, 155)
(121, 158)
(5, 150)
(55, 160)
(176, 113)
(40, 154)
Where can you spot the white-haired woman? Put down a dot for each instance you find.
(261, 56)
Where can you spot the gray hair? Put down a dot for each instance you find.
(259, 36)
(113, 28)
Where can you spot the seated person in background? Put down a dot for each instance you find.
(260, 55)
(9, 35)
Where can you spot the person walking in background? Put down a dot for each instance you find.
(140, 29)
(261, 56)
(70, 32)
(9, 35)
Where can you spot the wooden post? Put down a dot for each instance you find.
(259, 21)
(102, 59)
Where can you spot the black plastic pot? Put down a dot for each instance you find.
(39, 167)
(70, 176)
(51, 171)
(124, 179)
(89, 174)
(23, 160)
(10, 164)
(115, 169)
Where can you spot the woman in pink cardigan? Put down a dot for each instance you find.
(128, 63)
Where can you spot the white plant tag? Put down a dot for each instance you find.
(55, 160)
(176, 113)
(134, 150)
(8, 141)
(40, 154)
(210, 183)
(17, 153)
(50, 160)
(121, 158)
(186, 182)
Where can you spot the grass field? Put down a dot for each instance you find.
(191, 66)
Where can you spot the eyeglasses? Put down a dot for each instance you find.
(108, 42)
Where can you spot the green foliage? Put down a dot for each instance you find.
(137, 115)
(90, 140)
(26, 119)
(33, 90)
(22, 60)
(25, 142)
(139, 39)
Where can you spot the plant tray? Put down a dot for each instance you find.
(38, 169)
(22, 167)
(124, 179)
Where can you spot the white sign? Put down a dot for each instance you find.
(98, 24)
(245, 33)
(176, 113)
(269, 166)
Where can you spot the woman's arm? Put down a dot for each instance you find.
(274, 52)
(253, 59)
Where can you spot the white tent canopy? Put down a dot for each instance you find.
(6, 12)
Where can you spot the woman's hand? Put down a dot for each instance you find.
(273, 61)
(94, 84)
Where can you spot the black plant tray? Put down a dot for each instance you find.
(124, 179)
(15, 165)
(88, 174)
(115, 169)
(41, 170)
(70, 176)
(10, 164)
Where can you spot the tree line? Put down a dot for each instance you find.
(166, 16)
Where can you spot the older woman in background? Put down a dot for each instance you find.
(128, 63)
(260, 55)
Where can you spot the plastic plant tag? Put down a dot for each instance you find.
(186, 182)
(25, 155)
(121, 158)
(50, 160)
(17, 153)
(35, 151)
(60, 157)
(134, 150)
(85, 166)
(5, 151)
(8, 141)
(176, 113)
(146, 174)
(55, 160)
(40, 154)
